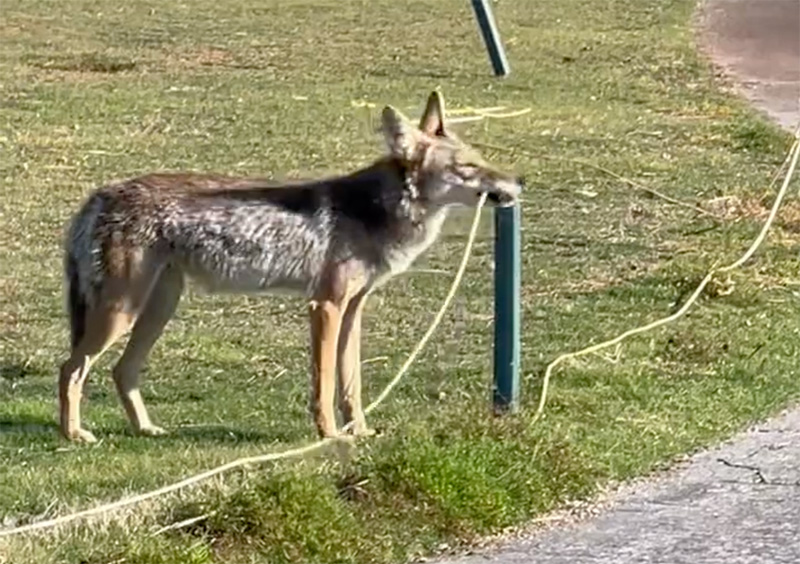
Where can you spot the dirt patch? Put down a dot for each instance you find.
(96, 63)
(209, 57)
(735, 208)
(213, 57)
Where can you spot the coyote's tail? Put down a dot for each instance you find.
(76, 301)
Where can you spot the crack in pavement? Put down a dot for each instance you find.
(701, 511)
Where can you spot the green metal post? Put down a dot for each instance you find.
(506, 308)
(491, 37)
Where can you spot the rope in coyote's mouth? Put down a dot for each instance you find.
(273, 456)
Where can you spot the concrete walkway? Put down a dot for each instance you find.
(757, 43)
(738, 503)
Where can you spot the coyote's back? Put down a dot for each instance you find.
(207, 227)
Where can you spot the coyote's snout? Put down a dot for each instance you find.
(133, 243)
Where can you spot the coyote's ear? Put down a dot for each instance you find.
(401, 136)
(432, 122)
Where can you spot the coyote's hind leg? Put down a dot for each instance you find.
(158, 310)
(103, 326)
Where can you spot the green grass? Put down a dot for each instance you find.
(92, 90)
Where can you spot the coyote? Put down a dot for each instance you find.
(132, 244)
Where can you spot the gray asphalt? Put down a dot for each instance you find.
(738, 503)
(757, 43)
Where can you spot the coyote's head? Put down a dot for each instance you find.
(441, 170)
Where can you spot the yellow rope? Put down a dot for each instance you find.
(792, 157)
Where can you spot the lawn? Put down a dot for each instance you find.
(93, 90)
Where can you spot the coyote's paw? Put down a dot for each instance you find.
(81, 436)
(361, 430)
(152, 431)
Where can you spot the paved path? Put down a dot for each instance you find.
(758, 43)
(738, 503)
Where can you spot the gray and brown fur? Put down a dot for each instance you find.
(132, 245)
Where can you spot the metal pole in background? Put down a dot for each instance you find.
(491, 37)
(507, 277)
(506, 255)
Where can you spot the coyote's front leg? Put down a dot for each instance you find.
(326, 321)
(349, 367)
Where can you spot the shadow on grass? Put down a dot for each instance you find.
(385, 72)
(223, 434)
(27, 423)
(11, 373)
